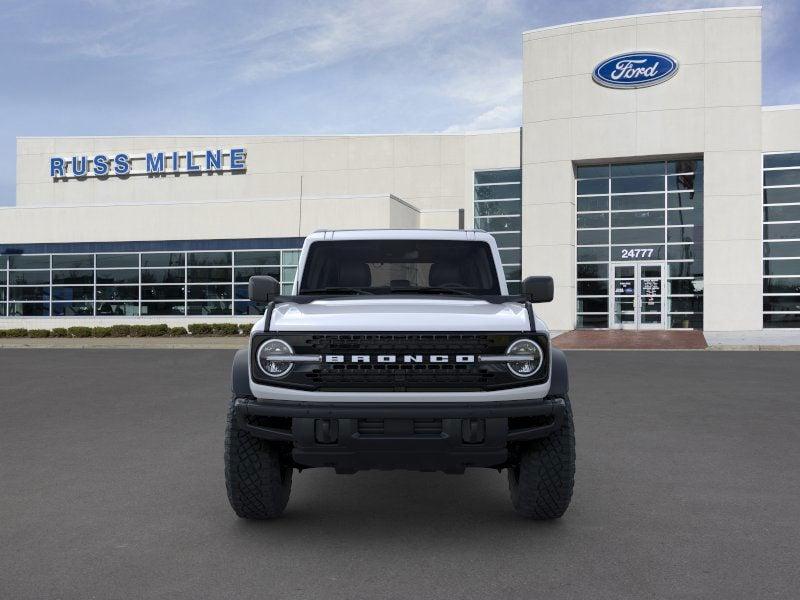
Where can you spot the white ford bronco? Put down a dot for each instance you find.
(400, 349)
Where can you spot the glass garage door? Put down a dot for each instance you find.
(640, 214)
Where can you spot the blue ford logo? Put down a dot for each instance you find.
(635, 70)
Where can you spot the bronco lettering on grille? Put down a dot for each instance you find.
(394, 358)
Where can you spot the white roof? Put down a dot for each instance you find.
(400, 234)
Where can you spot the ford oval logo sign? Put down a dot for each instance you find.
(635, 70)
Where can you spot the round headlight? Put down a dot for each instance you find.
(533, 361)
(271, 367)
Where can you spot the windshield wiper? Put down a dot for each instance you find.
(336, 290)
(432, 290)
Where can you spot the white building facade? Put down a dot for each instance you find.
(656, 190)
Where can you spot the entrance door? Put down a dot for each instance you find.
(637, 295)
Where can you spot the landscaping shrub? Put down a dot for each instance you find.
(120, 330)
(201, 329)
(16, 332)
(245, 328)
(177, 331)
(60, 332)
(80, 332)
(225, 329)
(149, 330)
(38, 333)
(157, 330)
(138, 331)
(101, 332)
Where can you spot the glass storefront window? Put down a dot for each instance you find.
(208, 259)
(781, 248)
(209, 292)
(73, 309)
(163, 259)
(108, 276)
(32, 261)
(29, 277)
(29, 293)
(163, 309)
(117, 309)
(65, 277)
(257, 258)
(497, 209)
(73, 261)
(163, 292)
(116, 261)
(163, 275)
(640, 212)
(114, 283)
(65, 292)
(118, 292)
(208, 275)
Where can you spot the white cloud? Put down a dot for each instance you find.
(331, 34)
(497, 117)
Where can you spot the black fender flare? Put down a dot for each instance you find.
(240, 374)
(559, 375)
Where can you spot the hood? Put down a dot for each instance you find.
(401, 314)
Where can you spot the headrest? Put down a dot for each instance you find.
(354, 274)
(444, 273)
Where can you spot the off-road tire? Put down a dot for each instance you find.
(541, 483)
(258, 483)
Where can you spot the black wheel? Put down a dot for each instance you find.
(258, 483)
(541, 482)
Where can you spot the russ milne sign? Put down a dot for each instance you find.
(151, 163)
(635, 70)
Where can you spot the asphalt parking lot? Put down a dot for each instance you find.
(111, 486)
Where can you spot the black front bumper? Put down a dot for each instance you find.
(418, 436)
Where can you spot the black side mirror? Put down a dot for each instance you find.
(262, 288)
(538, 289)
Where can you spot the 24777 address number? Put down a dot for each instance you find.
(637, 252)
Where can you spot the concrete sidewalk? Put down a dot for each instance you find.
(607, 339)
(766, 339)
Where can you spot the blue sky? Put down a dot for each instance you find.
(102, 67)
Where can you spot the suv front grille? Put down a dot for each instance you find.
(381, 343)
(348, 375)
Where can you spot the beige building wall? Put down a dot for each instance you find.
(428, 171)
(712, 107)
(243, 219)
(360, 181)
(781, 128)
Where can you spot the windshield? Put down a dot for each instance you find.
(399, 266)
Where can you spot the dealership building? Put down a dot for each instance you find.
(646, 177)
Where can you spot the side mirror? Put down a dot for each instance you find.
(262, 288)
(538, 289)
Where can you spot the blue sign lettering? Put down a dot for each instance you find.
(121, 164)
(190, 166)
(237, 159)
(155, 163)
(100, 165)
(79, 167)
(150, 163)
(213, 160)
(56, 167)
(635, 70)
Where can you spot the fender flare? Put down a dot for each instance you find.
(240, 374)
(559, 375)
